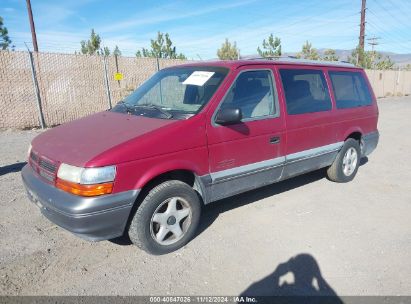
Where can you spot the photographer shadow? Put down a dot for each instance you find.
(299, 277)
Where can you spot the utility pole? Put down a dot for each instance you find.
(362, 32)
(373, 42)
(33, 29)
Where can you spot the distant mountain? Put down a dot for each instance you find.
(399, 59)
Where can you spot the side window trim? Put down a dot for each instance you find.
(275, 96)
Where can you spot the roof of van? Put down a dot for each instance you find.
(233, 64)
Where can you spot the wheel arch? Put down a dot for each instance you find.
(184, 175)
(355, 133)
(358, 136)
(184, 171)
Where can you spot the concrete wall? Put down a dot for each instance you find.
(390, 83)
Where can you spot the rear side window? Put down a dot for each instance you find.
(253, 93)
(305, 91)
(350, 89)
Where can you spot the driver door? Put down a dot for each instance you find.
(248, 154)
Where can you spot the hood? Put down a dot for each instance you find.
(79, 141)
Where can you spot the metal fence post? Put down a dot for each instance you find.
(116, 60)
(158, 64)
(107, 82)
(37, 90)
(161, 89)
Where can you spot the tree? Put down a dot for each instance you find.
(271, 47)
(308, 52)
(228, 51)
(330, 55)
(371, 60)
(105, 51)
(5, 41)
(356, 54)
(162, 47)
(91, 46)
(116, 51)
(384, 63)
(408, 67)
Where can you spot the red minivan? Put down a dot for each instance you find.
(197, 133)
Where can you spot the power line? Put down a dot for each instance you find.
(400, 9)
(395, 33)
(398, 41)
(287, 30)
(395, 18)
(395, 36)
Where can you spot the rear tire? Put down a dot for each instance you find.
(345, 165)
(167, 218)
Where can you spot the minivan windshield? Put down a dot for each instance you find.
(174, 93)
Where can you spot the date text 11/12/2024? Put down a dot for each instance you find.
(203, 299)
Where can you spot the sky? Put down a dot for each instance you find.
(198, 28)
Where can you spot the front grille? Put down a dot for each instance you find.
(45, 167)
(45, 164)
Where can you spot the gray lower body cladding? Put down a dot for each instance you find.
(229, 182)
(370, 142)
(92, 218)
(245, 182)
(248, 181)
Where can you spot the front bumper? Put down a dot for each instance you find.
(92, 218)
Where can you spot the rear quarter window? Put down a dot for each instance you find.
(305, 91)
(350, 89)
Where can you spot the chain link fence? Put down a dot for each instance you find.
(17, 95)
(71, 86)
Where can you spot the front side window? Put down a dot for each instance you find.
(350, 89)
(305, 91)
(174, 93)
(252, 92)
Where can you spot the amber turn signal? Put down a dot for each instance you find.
(84, 190)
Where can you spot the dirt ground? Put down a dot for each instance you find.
(359, 234)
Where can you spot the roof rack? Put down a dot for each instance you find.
(294, 59)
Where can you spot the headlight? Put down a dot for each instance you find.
(29, 151)
(70, 173)
(86, 176)
(86, 181)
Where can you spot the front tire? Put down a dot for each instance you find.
(167, 218)
(345, 165)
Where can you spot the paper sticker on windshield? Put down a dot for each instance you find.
(198, 78)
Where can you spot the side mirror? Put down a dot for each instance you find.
(229, 116)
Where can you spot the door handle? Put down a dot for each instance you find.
(274, 140)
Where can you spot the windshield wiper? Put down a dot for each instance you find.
(127, 106)
(130, 108)
(167, 114)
